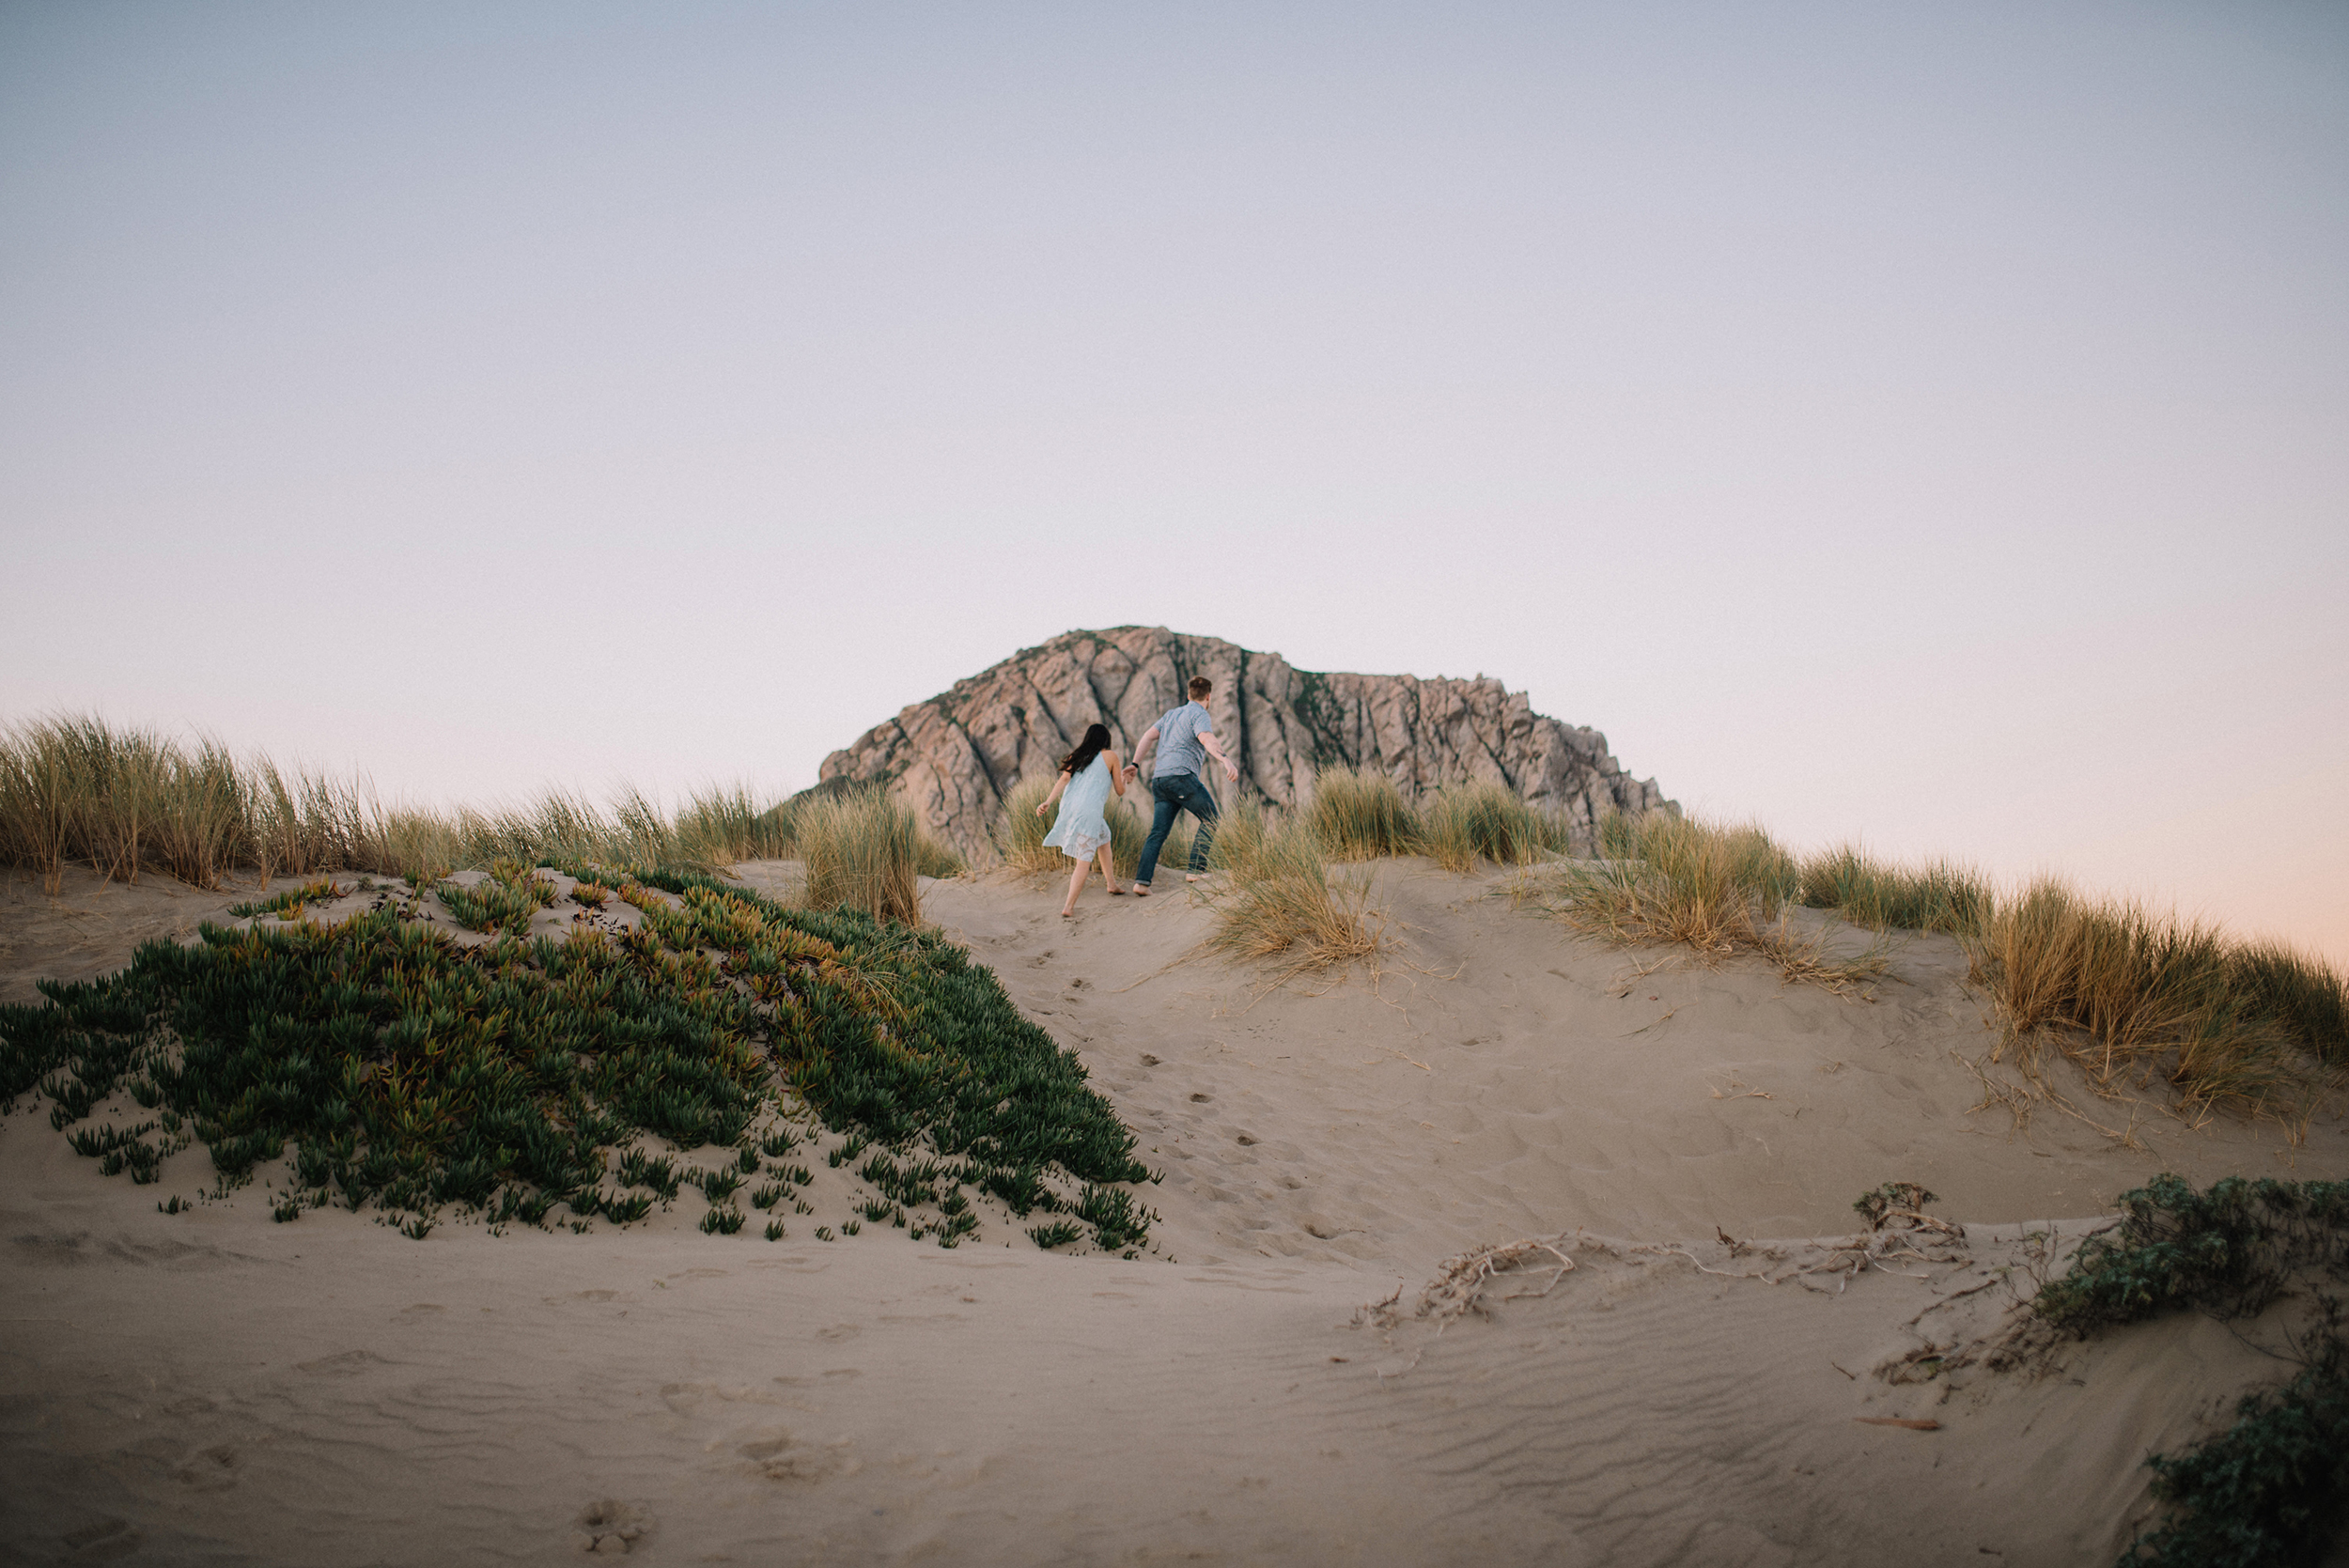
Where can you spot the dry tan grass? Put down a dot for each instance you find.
(2127, 992)
(1463, 824)
(1718, 889)
(1362, 815)
(863, 850)
(1938, 896)
(1281, 909)
(125, 801)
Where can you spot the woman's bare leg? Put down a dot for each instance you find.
(1076, 886)
(1109, 869)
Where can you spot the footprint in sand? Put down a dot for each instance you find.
(212, 1470)
(609, 1529)
(777, 1457)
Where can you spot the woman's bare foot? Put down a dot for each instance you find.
(1068, 914)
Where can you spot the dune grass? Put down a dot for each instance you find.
(864, 849)
(1481, 821)
(125, 801)
(1718, 889)
(1938, 896)
(1281, 909)
(2119, 988)
(412, 1072)
(1362, 815)
(2128, 991)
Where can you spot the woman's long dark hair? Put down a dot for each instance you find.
(1096, 740)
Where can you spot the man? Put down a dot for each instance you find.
(1185, 738)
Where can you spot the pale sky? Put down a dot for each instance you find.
(1927, 423)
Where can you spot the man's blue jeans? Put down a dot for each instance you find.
(1176, 792)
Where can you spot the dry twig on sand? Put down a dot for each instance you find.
(1459, 1283)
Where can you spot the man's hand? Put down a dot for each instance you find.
(1132, 772)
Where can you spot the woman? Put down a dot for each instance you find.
(1082, 833)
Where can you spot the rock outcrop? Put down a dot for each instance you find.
(955, 757)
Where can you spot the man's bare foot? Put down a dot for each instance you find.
(1141, 889)
(1195, 877)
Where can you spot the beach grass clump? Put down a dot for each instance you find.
(1362, 815)
(2123, 989)
(1242, 830)
(725, 824)
(863, 850)
(1281, 909)
(406, 1070)
(1020, 831)
(1718, 889)
(1463, 824)
(1940, 895)
(1663, 878)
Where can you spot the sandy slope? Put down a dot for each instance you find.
(211, 1386)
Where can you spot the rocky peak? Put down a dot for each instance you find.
(955, 757)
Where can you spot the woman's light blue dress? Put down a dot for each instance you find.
(1081, 829)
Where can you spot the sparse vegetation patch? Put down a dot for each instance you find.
(405, 1069)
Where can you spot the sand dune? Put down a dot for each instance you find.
(212, 1387)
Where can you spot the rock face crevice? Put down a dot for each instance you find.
(955, 757)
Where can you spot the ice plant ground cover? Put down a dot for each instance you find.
(413, 1070)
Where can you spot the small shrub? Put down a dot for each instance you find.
(1060, 1233)
(2270, 1491)
(724, 1222)
(774, 1230)
(2229, 1251)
